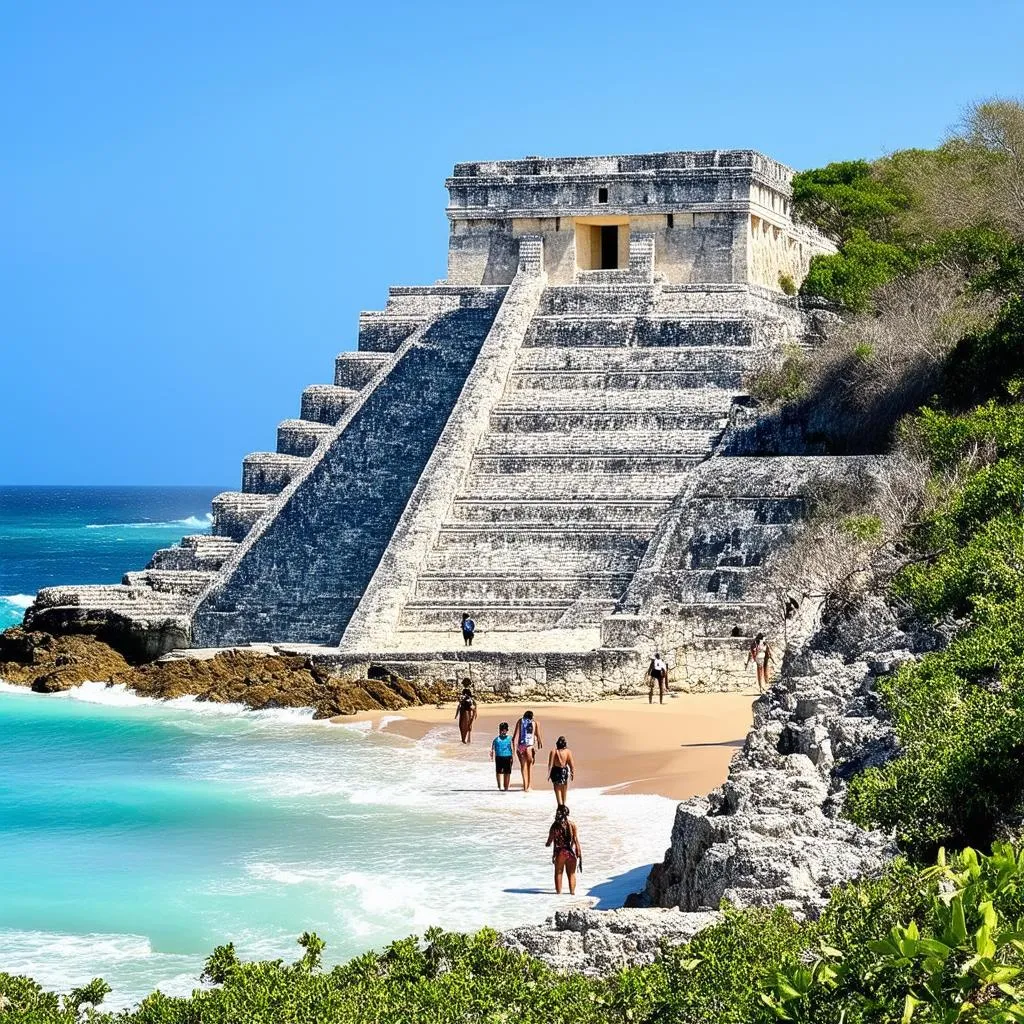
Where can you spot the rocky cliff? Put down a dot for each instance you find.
(772, 833)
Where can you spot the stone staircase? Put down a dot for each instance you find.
(607, 409)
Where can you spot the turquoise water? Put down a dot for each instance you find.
(136, 835)
(54, 535)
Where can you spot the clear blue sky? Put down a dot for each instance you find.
(198, 197)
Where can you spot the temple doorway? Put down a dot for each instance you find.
(602, 243)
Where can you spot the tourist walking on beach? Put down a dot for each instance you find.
(466, 714)
(657, 673)
(501, 755)
(760, 654)
(561, 769)
(567, 855)
(468, 629)
(527, 741)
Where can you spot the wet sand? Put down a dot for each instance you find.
(625, 745)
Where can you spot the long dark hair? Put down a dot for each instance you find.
(561, 825)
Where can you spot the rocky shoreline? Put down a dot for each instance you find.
(49, 663)
(772, 833)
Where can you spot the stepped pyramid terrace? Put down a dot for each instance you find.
(552, 439)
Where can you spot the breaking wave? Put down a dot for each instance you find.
(192, 522)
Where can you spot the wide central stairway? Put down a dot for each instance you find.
(607, 408)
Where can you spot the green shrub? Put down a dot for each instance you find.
(848, 277)
(783, 382)
(787, 284)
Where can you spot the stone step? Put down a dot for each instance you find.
(383, 332)
(523, 421)
(601, 442)
(518, 587)
(538, 383)
(236, 512)
(544, 487)
(640, 332)
(603, 359)
(186, 583)
(597, 299)
(355, 369)
(714, 584)
(533, 615)
(545, 514)
(300, 437)
(135, 601)
(269, 472)
(537, 463)
(520, 541)
(326, 403)
(582, 400)
(542, 557)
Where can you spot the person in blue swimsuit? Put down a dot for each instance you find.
(501, 755)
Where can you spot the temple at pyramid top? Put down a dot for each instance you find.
(713, 217)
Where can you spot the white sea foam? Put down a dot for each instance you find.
(191, 522)
(18, 600)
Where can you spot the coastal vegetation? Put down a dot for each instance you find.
(938, 944)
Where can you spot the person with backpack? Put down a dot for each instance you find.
(466, 714)
(468, 629)
(527, 742)
(501, 755)
(567, 854)
(658, 672)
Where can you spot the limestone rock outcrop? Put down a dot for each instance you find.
(772, 833)
(253, 678)
(595, 942)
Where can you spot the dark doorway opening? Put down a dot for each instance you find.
(610, 247)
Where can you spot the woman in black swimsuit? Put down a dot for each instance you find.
(561, 769)
(567, 854)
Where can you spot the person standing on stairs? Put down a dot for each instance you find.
(657, 673)
(527, 742)
(466, 714)
(468, 629)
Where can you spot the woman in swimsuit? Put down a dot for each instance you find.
(567, 855)
(466, 714)
(561, 769)
(760, 654)
(527, 742)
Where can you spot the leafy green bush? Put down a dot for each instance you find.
(787, 284)
(848, 277)
(848, 197)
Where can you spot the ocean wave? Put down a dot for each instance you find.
(192, 522)
(18, 600)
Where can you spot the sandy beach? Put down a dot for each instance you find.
(677, 750)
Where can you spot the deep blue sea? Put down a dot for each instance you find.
(136, 835)
(53, 535)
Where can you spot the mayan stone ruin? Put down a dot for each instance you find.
(550, 439)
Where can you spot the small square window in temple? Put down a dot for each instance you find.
(671, 221)
(602, 195)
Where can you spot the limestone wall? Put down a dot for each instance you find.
(302, 571)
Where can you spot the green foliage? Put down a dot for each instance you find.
(787, 284)
(942, 944)
(867, 528)
(850, 197)
(785, 382)
(849, 276)
(990, 364)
